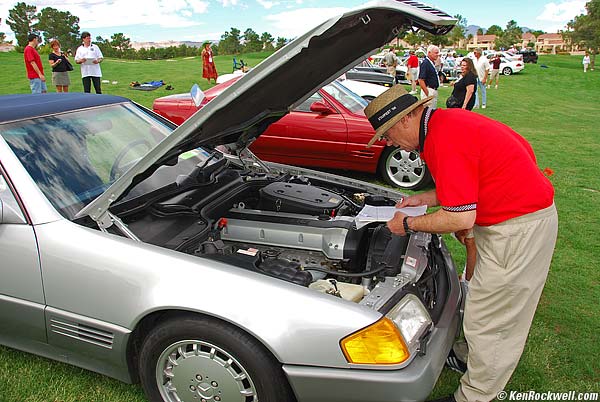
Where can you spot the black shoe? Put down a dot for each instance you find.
(449, 398)
(454, 363)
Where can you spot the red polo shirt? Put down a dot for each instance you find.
(30, 54)
(481, 164)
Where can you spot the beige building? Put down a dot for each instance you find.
(551, 42)
(526, 39)
(484, 42)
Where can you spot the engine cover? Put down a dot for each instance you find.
(298, 198)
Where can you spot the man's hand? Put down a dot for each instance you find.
(395, 224)
(428, 198)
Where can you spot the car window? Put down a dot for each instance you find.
(8, 199)
(305, 106)
(351, 101)
(73, 157)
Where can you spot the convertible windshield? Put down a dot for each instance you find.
(351, 101)
(73, 157)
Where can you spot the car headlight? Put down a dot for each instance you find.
(412, 319)
(379, 343)
(392, 339)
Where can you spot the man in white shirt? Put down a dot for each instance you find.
(482, 65)
(89, 57)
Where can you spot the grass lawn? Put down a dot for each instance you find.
(555, 108)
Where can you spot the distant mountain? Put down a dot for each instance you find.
(472, 30)
(164, 43)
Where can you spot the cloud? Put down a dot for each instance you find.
(229, 3)
(290, 24)
(103, 13)
(267, 4)
(562, 12)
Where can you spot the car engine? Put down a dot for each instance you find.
(301, 231)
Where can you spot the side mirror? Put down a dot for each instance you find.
(197, 95)
(10, 215)
(321, 108)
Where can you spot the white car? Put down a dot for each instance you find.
(508, 67)
(365, 90)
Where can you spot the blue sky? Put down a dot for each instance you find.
(198, 20)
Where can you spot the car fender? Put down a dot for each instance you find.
(119, 281)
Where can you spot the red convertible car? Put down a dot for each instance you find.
(328, 130)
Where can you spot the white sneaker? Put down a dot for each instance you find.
(483, 107)
(488, 87)
(496, 87)
(412, 92)
(476, 107)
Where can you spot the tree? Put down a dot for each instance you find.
(21, 20)
(458, 32)
(61, 25)
(479, 31)
(537, 32)
(281, 42)
(494, 30)
(230, 42)
(267, 41)
(252, 41)
(584, 30)
(511, 35)
(2, 37)
(120, 44)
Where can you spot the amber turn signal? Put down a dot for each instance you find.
(379, 343)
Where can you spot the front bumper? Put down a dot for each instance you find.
(412, 383)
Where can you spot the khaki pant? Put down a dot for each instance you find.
(433, 102)
(513, 258)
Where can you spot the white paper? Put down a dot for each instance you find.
(371, 214)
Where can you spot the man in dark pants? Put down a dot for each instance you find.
(487, 178)
(89, 57)
(429, 80)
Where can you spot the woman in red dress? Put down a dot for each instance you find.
(208, 65)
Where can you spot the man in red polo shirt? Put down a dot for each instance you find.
(486, 177)
(33, 65)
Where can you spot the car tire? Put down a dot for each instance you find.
(506, 71)
(190, 358)
(403, 169)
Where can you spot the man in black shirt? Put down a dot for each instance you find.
(428, 77)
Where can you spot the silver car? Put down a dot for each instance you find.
(173, 257)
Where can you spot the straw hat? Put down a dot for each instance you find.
(389, 107)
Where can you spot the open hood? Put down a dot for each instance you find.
(282, 81)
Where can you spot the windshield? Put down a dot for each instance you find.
(73, 157)
(351, 101)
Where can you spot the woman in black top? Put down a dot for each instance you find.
(58, 61)
(466, 85)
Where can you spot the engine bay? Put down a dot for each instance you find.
(298, 229)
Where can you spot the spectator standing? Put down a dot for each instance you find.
(466, 85)
(486, 177)
(413, 69)
(59, 62)
(209, 71)
(33, 65)
(429, 80)
(495, 70)
(482, 65)
(90, 57)
(391, 61)
(586, 62)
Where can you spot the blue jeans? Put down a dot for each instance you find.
(37, 86)
(480, 90)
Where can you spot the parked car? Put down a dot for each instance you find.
(328, 130)
(134, 248)
(529, 55)
(508, 67)
(370, 74)
(401, 69)
(365, 90)
(450, 71)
